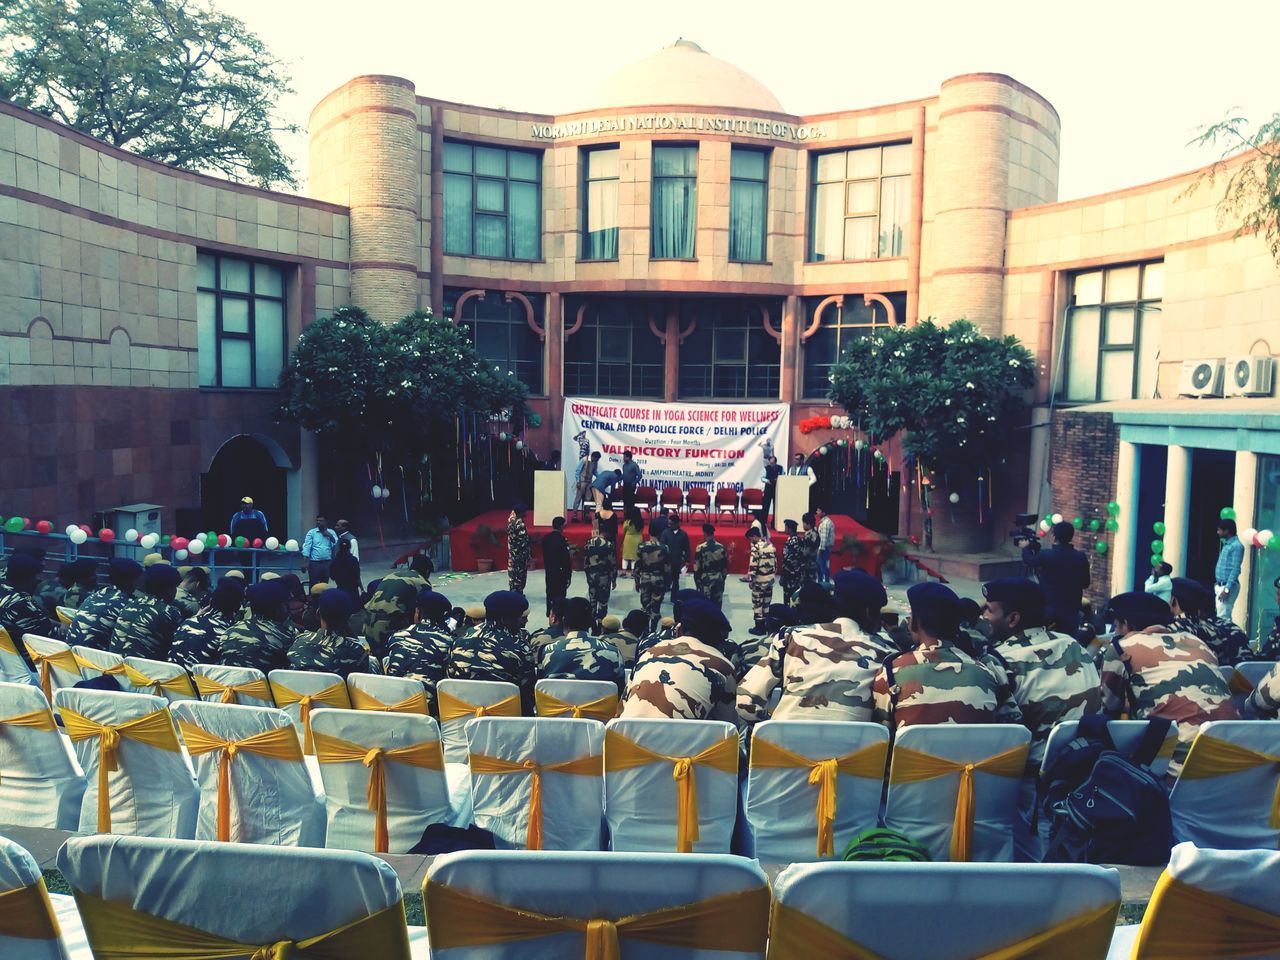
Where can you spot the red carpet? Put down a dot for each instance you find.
(856, 545)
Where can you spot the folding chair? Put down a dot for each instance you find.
(66, 615)
(579, 699)
(671, 785)
(13, 669)
(647, 499)
(698, 500)
(243, 685)
(169, 898)
(29, 923)
(388, 694)
(1209, 904)
(752, 500)
(139, 782)
(542, 905)
(298, 692)
(260, 792)
(41, 784)
(812, 786)
(159, 677)
(1225, 796)
(537, 783)
(95, 663)
(954, 788)
(672, 499)
(1125, 734)
(1249, 674)
(460, 700)
(727, 502)
(54, 662)
(972, 910)
(1227, 672)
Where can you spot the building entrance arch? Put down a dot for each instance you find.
(247, 465)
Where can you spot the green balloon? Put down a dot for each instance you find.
(13, 524)
(1077, 522)
(1100, 546)
(1095, 524)
(210, 539)
(1113, 509)
(1156, 559)
(1113, 525)
(241, 541)
(1157, 546)
(1226, 513)
(1158, 528)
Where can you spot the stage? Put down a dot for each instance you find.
(485, 536)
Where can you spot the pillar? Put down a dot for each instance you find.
(304, 485)
(917, 219)
(671, 388)
(1177, 496)
(1128, 482)
(790, 352)
(1244, 500)
(554, 324)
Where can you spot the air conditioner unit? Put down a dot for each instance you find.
(1201, 378)
(1252, 376)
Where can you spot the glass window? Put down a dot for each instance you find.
(501, 333)
(240, 322)
(613, 353)
(492, 202)
(748, 204)
(729, 355)
(600, 203)
(860, 202)
(674, 204)
(840, 325)
(1112, 344)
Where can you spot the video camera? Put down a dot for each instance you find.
(1024, 532)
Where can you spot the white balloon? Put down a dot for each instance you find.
(1045, 525)
(272, 543)
(179, 555)
(1056, 518)
(1247, 535)
(148, 540)
(78, 536)
(954, 498)
(131, 535)
(292, 546)
(857, 444)
(376, 492)
(71, 528)
(195, 547)
(1265, 537)
(386, 493)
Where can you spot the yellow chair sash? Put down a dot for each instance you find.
(622, 753)
(604, 709)
(451, 708)
(734, 922)
(153, 729)
(334, 695)
(588, 766)
(278, 744)
(36, 719)
(1186, 923)
(794, 935)
(63, 659)
(427, 755)
(230, 693)
(363, 700)
(1239, 684)
(119, 932)
(178, 683)
(27, 913)
(869, 762)
(1211, 757)
(6, 643)
(912, 766)
(64, 618)
(84, 663)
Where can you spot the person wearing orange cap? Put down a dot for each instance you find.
(248, 522)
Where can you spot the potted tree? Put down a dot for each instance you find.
(483, 543)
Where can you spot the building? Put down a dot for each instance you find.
(681, 236)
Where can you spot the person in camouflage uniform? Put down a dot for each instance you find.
(193, 590)
(761, 568)
(145, 627)
(1269, 648)
(937, 682)
(622, 633)
(1194, 612)
(711, 566)
(390, 607)
(198, 639)
(517, 549)
(421, 652)
(96, 616)
(1172, 675)
(651, 575)
(688, 677)
(825, 670)
(793, 564)
(498, 649)
(578, 655)
(20, 612)
(86, 581)
(263, 638)
(332, 648)
(52, 592)
(811, 543)
(599, 564)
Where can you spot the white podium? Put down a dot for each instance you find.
(548, 496)
(791, 500)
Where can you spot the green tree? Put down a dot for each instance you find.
(170, 80)
(1250, 165)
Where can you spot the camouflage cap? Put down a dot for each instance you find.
(611, 624)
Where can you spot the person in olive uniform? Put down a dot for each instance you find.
(599, 564)
(331, 649)
(652, 575)
(198, 639)
(421, 652)
(262, 639)
(518, 549)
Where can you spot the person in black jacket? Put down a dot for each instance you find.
(1063, 572)
(678, 550)
(557, 562)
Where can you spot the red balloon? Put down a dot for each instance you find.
(26, 523)
(44, 526)
(179, 543)
(257, 542)
(87, 529)
(223, 540)
(106, 534)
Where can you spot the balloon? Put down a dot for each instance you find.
(1100, 547)
(1043, 532)
(196, 547)
(257, 543)
(224, 540)
(1095, 524)
(1156, 559)
(519, 444)
(503, 437)
(1113, 509)
(1056, 518)
(44, 526)
(180, 555)
(241, 542)
(1044, 526)
(210, 539)
(148, 540)
(857, 444)
(67, 531)
(106, 534)
(376, 492)
(88, 530)
(79, 537)
(291, 545)
(272, 543)
(1247, 535)
(1157, 546)
(179, 543)
(1158, 528)
(1077, 522)
(954, 498)
(131, 535)
(1226, 513)
(1265, 538)
(841, 442)
(386, 493)
(1113, 524)
(14, 525)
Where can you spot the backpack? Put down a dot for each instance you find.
(1106, 807)
(882, 844)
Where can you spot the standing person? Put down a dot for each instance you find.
(793, 564)
(20, 612)
(345, 569)
(826, 543)
(558, 563)
(343, 529)
(1269, 649)
(631, 477)
(1063, 572)
(518, 549)
(97, 613)
(678, 550)
(332, 648)
(263, 638)
(317, 551)
(771, 474)
(609, 530)
(599, 564)
(633, 534)
(1226, 573)
(390, 607)
(1160, 582)
(810, 536)
(762, 567)
(711, 566)
(799, 468)
(145, 627)
(421, 652)
(583, 477)
(248, 522)
(198, 638)
(652, 576)
(602, 487)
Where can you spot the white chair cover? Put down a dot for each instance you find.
(161, 671)
(19, 870)
(272, 801)
(59, 675)
(13, 669)
(960, 910)
(572, 804)
(1254, 670)
(387, 690)
(95, 663)
(1227, 672)
(577, 692)
(246, 893)
(781, 802)
(640, 803)
(416, 797)
(231, 677)
(306, 683)
(591, 886)
(1231, 811)
(1125, 734)
(925, 810)
(41, 783)
(153, 793)
(480, 693)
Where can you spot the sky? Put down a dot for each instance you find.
(1132, 81)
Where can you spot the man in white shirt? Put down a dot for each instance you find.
(318, 547)
(799, 468)
(826, 543)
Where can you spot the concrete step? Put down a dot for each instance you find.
(973, 566)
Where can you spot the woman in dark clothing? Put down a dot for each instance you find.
(345, 570)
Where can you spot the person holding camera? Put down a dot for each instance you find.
(1063, 572)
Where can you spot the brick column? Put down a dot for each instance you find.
(555, 366)
(1177, 497)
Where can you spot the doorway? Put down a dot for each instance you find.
(1213, 482)
(1153, 468)
(245, 467)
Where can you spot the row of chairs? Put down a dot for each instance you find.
(695, 500)
(142, 897)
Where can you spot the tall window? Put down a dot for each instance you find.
(501, 333)
(613, 353)
(600, 204)
(840, 326)
(492, 202)
(240, 323)
(748, 203)
(1112, 343)
(674, 204)
(860, 203)
(729, 355)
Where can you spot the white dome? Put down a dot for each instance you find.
(683, 74)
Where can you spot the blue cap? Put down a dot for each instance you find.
(857, 590)
(266, 595)
(1139, 609)
(162, 574)
(23, 565)
(335, 605)
(432, 605)
(936, 608)
(1018, 594)
(702, 619)
(504, 605)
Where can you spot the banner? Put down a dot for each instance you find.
(686, 445)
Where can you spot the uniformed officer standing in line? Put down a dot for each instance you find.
(711, 566)
(517, 549)
(652, 575)
(762, 566)
(390, 607)
(677, 543)
(498, 649)
(98, 611)
(421, 652)
(578, 655)
(198, 639)
(263, 638)
(599, 562)
(146, 625)
(332, 648)
(811, 541)
(793, 563)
